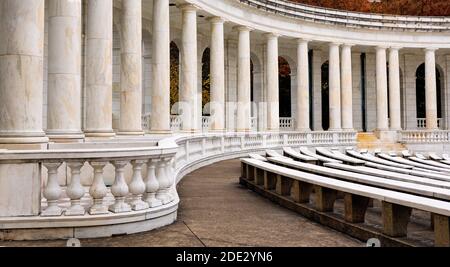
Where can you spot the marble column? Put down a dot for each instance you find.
(244, 81)
(131, 68)
(99, 69)
(335, 88)
(188, 92)
(394, 89)
(430, 89)
(302, 118)
(64, 70)
(273, 106)
(21, 72)
(217, 74)
(160, 109)
(347, 88)
(382, 91)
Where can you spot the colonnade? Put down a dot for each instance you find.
(21, 64)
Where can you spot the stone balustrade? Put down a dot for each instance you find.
(422, 123)
(123, 186)
(351, 19)
(424, 137)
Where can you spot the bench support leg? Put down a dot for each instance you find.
(395, 219)
(355, 208)
(270, 180)
(259, 177)
(243, 170)
(250, 172)
(301, 192)
(283, 186)
(325, 199)
(441, 231)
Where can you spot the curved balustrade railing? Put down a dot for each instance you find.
(424, 137)
(90, 192)
(351, 19)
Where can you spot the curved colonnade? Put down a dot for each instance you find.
(102, 177)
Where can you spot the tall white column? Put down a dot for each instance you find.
(382, 92)
(188, 92)
(21, 71)
(160, 109)
(244, 81)
(217, 74)
(347, 87)
(131, 68)
(302, 118)
(273, 108)
(430, 89)
(335, 88)
(394, 90)
(64, 69)
(99, 69)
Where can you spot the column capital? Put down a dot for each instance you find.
(395, 48)
(335, 44)
(242, 28)
(270, 35)
(303, 40)
(216, 20)
(430, 49)
(349, 45)
(187, 7)
(381, 47)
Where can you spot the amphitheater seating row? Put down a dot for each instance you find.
(399, 183)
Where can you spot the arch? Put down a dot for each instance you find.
(174, 76)
(420, 91)
(206, 80)
(284, 73)
(325, 96)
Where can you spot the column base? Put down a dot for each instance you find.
(100, 134)
(303, 130)
(191, 131)
(18, 141)
(243, 130)
(65, 137)
(160, 132)
(131, 133)
(386, 135)
(335, 130)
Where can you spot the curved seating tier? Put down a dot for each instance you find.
(302, 178)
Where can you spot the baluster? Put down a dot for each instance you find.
(120, 189)
(170, 176)
(137, 186)
(52, 191)
(98, 189)
(164, 183)
(152, 184)
(75, 191)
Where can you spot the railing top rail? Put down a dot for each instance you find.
(351, 18)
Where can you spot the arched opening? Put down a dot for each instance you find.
(421, 95)
(325, 97)
(284, 88)
(256, 93)
(174, 76)
(206, 81)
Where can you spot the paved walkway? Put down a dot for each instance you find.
(216, 211)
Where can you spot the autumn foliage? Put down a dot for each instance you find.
(398, 7)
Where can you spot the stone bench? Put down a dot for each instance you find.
(322, 159)
(291, 153)
(339, 156)
(429, 162)
(415, 172)
(407, 187)
(396, 206)
(390, 175)
(257, 156)
(412, 163)
(371, 158)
